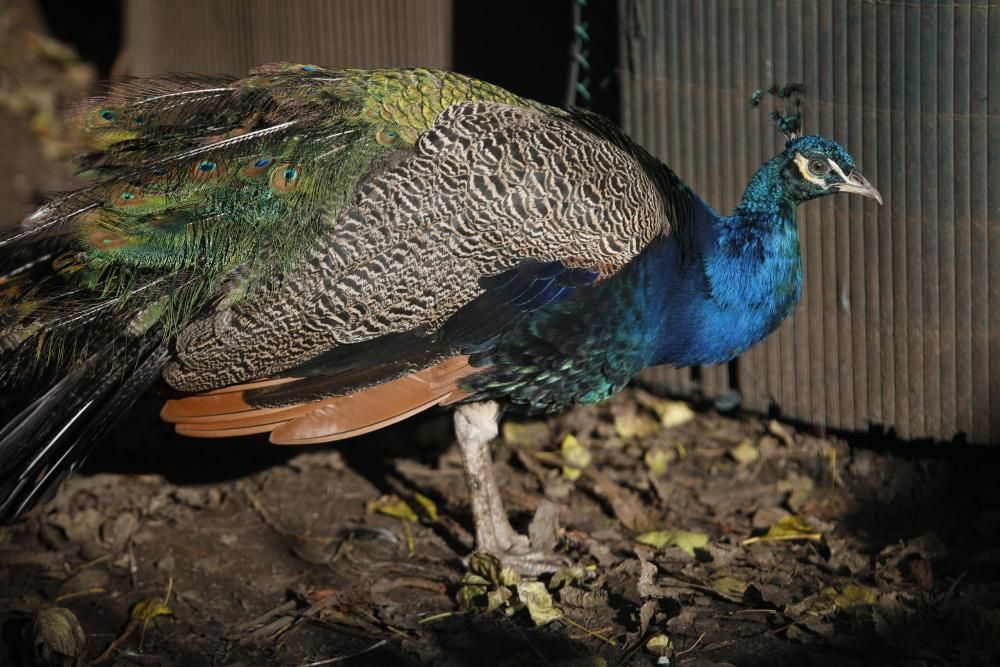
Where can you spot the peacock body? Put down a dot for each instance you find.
(316, 253)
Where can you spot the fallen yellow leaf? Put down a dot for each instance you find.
(791, 527)
(399, 508)
(147, 610)
(571, 473)
(674, 413)
(660, 645)
(576, 457)
(744, 452)
(427, 505)
(538, 601)
(393, 506)
(532, 434)
(686, 540)
(730, 586)
(636, 426)
(656, 461)
(852, 596)
(58, 637)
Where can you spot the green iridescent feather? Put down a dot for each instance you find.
(209, 190)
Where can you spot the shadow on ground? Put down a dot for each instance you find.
(294, 556)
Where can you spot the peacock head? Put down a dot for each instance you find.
(811, 166)
(815, 166)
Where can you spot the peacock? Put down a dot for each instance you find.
(316, 253)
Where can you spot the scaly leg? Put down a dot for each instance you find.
(475, 427)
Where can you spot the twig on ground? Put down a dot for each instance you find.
(330, 661)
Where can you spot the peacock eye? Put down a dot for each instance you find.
(819, 167)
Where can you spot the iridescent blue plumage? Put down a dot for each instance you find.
(700, 296)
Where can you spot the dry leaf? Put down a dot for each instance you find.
(584, 599)
(852, 596)
(393, 506)
(473, 587)
(427, 505)
(646, 585)
(637, 426)
(497, 598)
(646, 612)
(791, 527)
(489, 567)
(656, 461)
(781, 432)
(487, 578)
(744, 452)
(566, 576)
(399, 508)
(147, 610)
(538, 601)
(58, 637)
(576, 457)
(731, 587)
(574, 453)
(628, 508)
(670, 413)
(800, 489)
(674, 413)
(660, 645)
(531, 434)
(686, 540)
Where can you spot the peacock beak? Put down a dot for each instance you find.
(858, 184)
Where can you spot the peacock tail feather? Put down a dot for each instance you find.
(207, 190)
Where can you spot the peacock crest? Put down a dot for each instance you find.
(789, 119)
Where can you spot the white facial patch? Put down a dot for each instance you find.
(803, 163)
(837, 170)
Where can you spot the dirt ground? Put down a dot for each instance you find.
(271, 555)
(690, 538)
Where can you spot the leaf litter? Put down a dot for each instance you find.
(712, 540)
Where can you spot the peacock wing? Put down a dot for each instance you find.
(487, 188)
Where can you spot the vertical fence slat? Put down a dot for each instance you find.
(867, 218)
(830, 273)
(738, 24)
(914, 215)
(962, 279)
(857, 278)
(840, 209)
(993, 225)
(755, 377)
(814, 237)
(900, 156)
(883, 328)
(784, 387)
(979, 180)
(945, 190)
(929, 251)
(799, 384)
(714, 379)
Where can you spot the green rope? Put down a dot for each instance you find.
(578, 91)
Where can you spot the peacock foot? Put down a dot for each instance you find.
(532, 554)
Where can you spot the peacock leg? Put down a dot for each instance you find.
(475, 427)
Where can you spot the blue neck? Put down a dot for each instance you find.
(745, 278)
